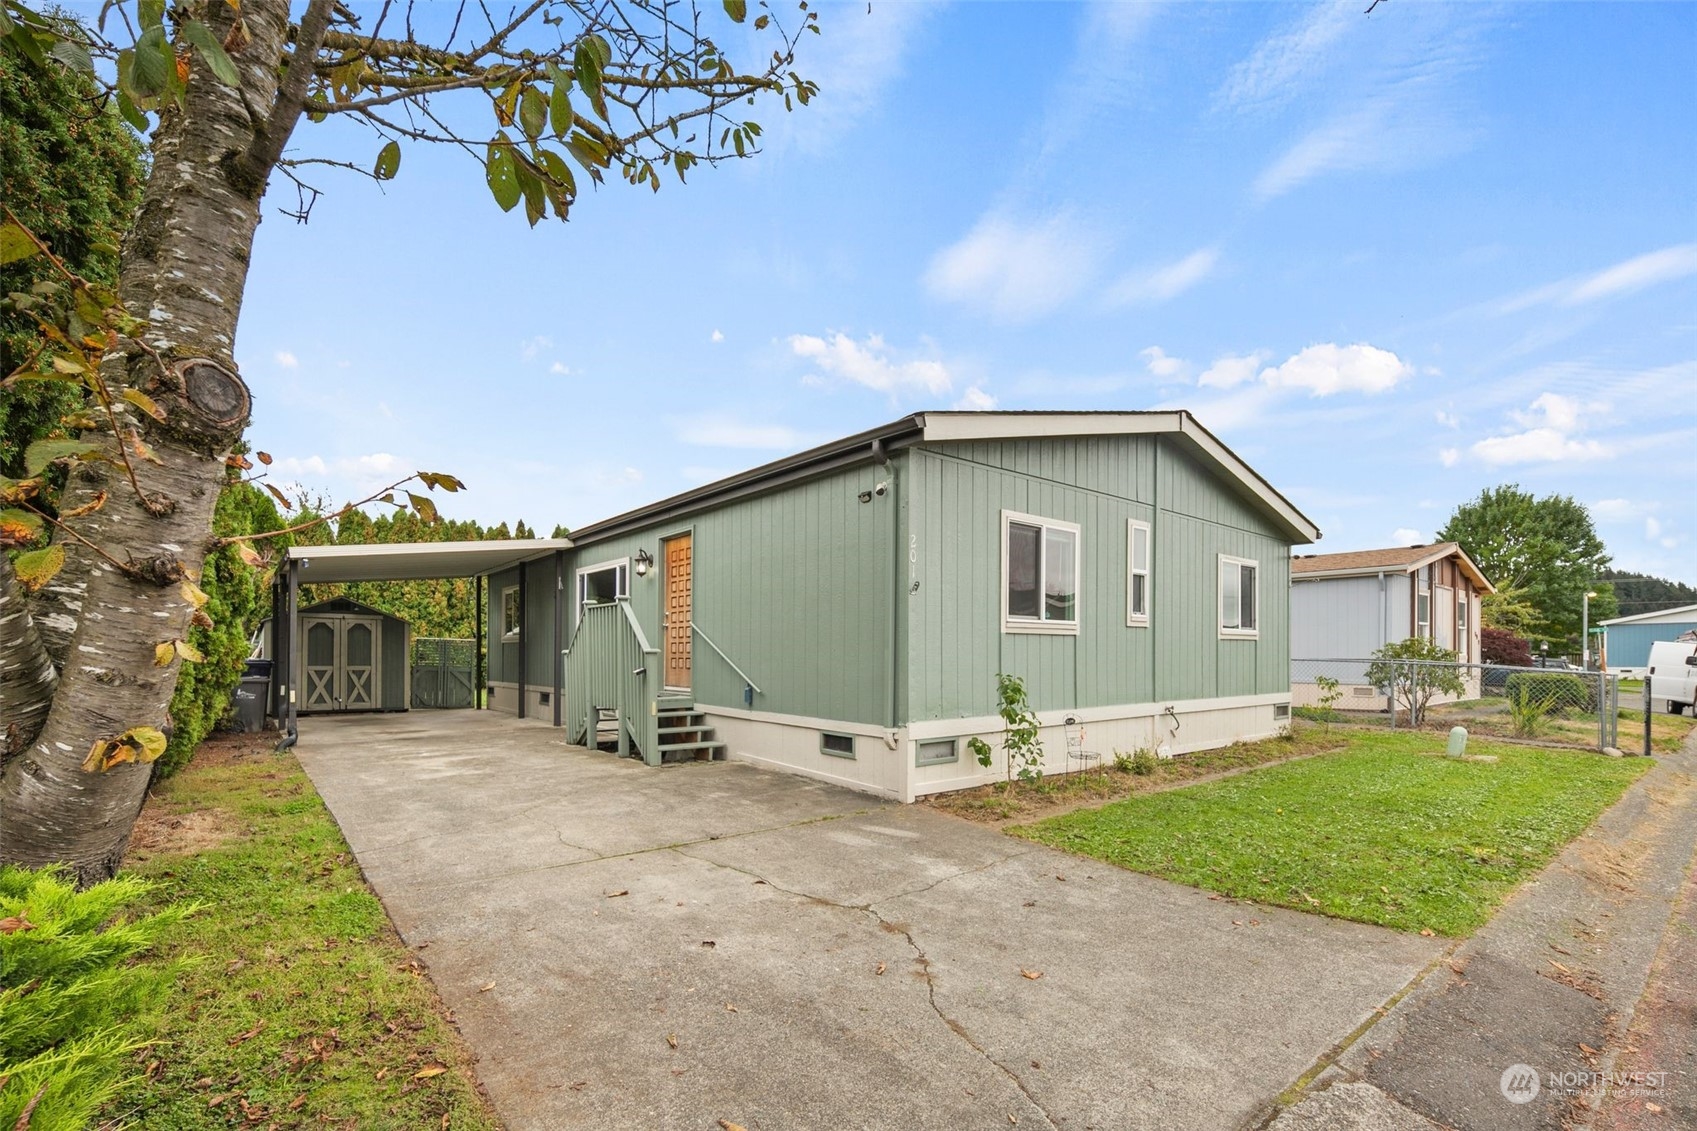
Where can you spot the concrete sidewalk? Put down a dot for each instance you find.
(1552, 983)
(627, 947)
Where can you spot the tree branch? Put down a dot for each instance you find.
(286, 109)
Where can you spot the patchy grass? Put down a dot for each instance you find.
(301, 1007)
(1057, 793)
(1383, 832)
(1667, 732)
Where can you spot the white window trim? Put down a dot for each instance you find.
(1463, 625)
(1037, 625)
(1219, 596)
(518, 632)
(1135, 619)
(599, 567)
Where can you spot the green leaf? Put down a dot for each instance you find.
(43, 452)
(15, 243)
(37, 567)
(73, 54)
(151, 13)
(562, 173)
(425, 508)
(560, 104)
(533, 113)
(207, 44)
(152, 65)
(128, 110)
(498, 171)
(535, 197)
(737, 10)
(388, 162)
(586, 65)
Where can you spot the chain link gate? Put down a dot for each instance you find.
(443, 673)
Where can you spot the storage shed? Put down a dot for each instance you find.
(352, 658)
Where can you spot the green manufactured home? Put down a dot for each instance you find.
(843, 613)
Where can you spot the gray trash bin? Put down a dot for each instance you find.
(250, 702)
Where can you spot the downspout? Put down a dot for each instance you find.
(559, 629)
(291, 733)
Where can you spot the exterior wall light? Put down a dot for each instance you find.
(644, 563)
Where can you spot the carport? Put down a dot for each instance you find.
(309, 565)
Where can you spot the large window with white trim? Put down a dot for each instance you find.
(1039, 574)
(1137, 555)
(602, 584)
(1240, 596)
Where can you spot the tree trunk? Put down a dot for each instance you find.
(27, 676)
(184, 269)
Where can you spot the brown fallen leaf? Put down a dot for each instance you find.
(1587, 1049)
(485, 987)
(1652, 1108)
(1031, 974)
(216, 1100)
(1426, 932)
(445, 1117)
(729, 1126)
(428, 1071)
(672, 1040)
(1012, 1118)
(880, 969)
(294, 1104)
(247, 1036)
(709, 943)
(12, 924)
(729, 1008)
(616, 894)
(382, 1072)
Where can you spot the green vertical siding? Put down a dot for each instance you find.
(956, 645)
(794, 585)
(393, 645)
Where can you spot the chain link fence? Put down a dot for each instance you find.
(1574, 708)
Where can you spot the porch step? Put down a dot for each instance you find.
(692, 751)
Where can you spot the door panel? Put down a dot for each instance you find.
(321, 641)
(359, 665)
(678, 586)
(1443, 616)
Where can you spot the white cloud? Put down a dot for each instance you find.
(1554, 411)
(287, 360)
(872, 363)
(1159, 284)
(1622, 510)
(1282, 63)
(1666, 265)
(975, 399)
(533, 346)
(1230, 371)
(856, 60)
(716, 336)
(1407, 536)
(560, 368)
(1386, 135)
(1536, 445)
(1447, 419)
(1652, 527)
(1449, 457)
(722, 430)
(1013, 269)
(1161, 365)
(1329, 368)
(1099, 79)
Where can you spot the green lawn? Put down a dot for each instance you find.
(1379, 832)
(300, 1007)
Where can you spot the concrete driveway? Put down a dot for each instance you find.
(821, 959)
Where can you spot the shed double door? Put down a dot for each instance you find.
(340, 663)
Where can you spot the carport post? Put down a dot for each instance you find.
(291, 613)
(559, 628)
(278, 677)
(477, 649)
(524, 634)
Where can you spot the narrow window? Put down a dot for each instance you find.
(1239, 597)
(1423, 607)
(837, 745)
(1137, 581)
(1462, 644)
(1040, 573)
(511, 623)
(937, 752)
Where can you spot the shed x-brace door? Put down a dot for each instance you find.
(678, 582)
(340, 663)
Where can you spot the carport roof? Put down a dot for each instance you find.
(418, 560)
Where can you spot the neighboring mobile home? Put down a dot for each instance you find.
(1627, 640)
(1348, 606)
(843, 613)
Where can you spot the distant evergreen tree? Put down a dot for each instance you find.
(560, 531)
(1637, 593)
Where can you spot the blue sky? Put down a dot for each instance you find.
(1392, 259)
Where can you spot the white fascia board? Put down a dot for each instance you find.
(1669, 616)
(945, 426)
(416, 560)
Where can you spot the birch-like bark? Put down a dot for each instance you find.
(184, 269)
(27, 675)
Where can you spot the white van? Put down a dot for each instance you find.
(1673, 675)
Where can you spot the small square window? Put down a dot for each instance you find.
(1239, 597)
(937, 752)
(837, 745)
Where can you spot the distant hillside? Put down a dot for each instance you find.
(1638, 594)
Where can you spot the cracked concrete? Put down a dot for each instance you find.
(820, 959)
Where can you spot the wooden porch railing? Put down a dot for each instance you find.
(608, 666)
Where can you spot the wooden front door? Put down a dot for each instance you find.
(677, 582)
